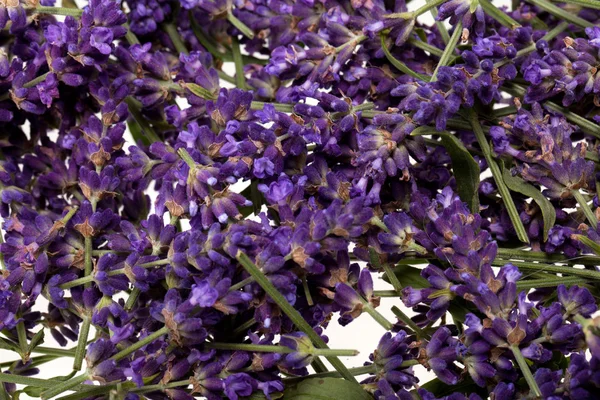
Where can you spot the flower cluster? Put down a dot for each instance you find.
(182, 231)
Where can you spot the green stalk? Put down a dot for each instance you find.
(389, 272)
(259, 105)
(57, 389)
(141, 343)
(449, 50)
(399, 64)
(439, 24)
(87, 321)
(55, 352)
(135, 108)
(26, 380)
(560, 13)
(35, 361)
(263, 348)
(497, 174)
(595, 4)
(132, 299)
(246, 31)
(114, 272)
(526, 371)
(244, 327)
(309, 299)
(409, 322)
(291, 312)
(82, 343)
(368, 369)
(550, 282)
(527, 255)
(428, 48)
(240, 79)
(171, 30)
(414, 14)
(36, 80)
(241, 284)
(554, 269)
(585, 207)
(376, 315)
(498, 14)
(73, 12)
(130, 36)
(22, 337)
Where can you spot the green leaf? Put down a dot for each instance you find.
(409, 276)
(498, 14)
(37, 339)
(69, 4)
(199, 91)
(560, 13)
(465, 167)
(326, 389)
(516, 184)
(399, 64)
(595, 247)
(8, 345)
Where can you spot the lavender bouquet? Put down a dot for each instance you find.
(193, 191)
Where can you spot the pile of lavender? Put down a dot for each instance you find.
(193, 191)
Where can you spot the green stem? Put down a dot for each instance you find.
(352, 42)
(560, 13)
(73, 12)
(259, 105)
(246, 31)
(428, 48)
(240, 79)
(409, 322)
(368, 369)
(241, 284)
(595, 4)
(175, 37)
(55, 389)
(399, 64)
(389, 272)
(263, 348)
(376, 315)
(114, 272)
(159, 386)
(291, 312)
(309, 299)
(449, 50)
(37, 80)
(55, 352)
(26, 380)
(141, 343)
(497, 174)
(550, 282)
(422, 10)
(82, 343)
(554, 269)
(22, 337)
(244, 327)
(135, 108)
(498, 14)
(439, 24)
(527, 255)
(526, 371)
(130, 36)
(585, 207)
(132, 299)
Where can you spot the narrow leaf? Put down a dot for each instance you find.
(466, 171)
(498, 14)
(516, 184)
(560, 13)
(595, 247)
(399, 64)
(409, 276)
(326, 389)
